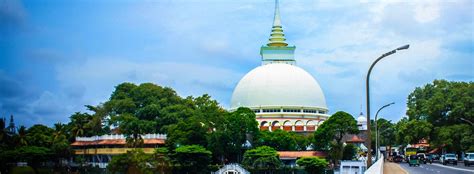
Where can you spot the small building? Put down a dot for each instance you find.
(98, 150)
(289, 157)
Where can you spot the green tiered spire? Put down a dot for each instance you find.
(277, 50)
(277, 37)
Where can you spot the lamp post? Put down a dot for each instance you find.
(369, 139)
(377, 131)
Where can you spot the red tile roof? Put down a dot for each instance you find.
(299, 154)
(355, 139)
(115, 142)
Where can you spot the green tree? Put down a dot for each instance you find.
(242, 126)
(192, 158)
(278, 139)
(442, 103)
(349, 152)
(329, 135)
(39, 135)
(133, 129)
(77, 124)
(188, 132)
(134, 161)
(447, 106)
(411, 132)
(262, 157)
(22, 136)
(162, 160)
(313, 165)
(334, 129)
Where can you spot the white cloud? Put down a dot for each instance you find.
(427, 12)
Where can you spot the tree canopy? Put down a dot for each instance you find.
(334, 129)
(313, 165)
(441, 112)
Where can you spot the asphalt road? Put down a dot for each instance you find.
(436, 168)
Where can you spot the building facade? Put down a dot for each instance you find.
(282, 95)
(99, 150)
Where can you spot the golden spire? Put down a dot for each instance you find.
(277, 37)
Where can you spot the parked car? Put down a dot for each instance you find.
(398, 159)
(449, 158)
(433, 156)
(422, 158)
(414, 160)
(469, 159)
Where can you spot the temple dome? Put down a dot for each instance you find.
(361, 118)
(278, 84)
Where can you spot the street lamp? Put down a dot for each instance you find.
(377, 130)
(369, 139)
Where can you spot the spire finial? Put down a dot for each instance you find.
(277, 37)
(276, 17)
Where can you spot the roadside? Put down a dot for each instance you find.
(393, 168)
(460, 168)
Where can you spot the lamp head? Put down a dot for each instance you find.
(404, 47)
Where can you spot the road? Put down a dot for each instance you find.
(436, 168)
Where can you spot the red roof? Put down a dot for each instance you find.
(299, 154)
(115, 142)
(355, 139)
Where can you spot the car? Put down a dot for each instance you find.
(414, 160)
(469, 159)
(449, 158)
(423, 158)
(398, 159)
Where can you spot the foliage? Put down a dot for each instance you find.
(162, 161)
(313, 165)
(448, 106)
(262, 157)
(411, 132)
(334, 129)
(459, 137)
(134, 161)
(278, 139)
(349, 152)
(22, 170)
(186, 133)
(39, 135)
(192, 158)
(442, 103)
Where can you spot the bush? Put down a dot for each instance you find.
(313, 165)
(349, 152)
(23, 170)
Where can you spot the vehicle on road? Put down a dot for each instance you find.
(433, 156)
(409, 151)
(469, 159)
(414, 160)
(449, 158)
(398, 159)
(424, 158)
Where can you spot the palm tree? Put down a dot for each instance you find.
(22, 136)
(59, 132)
(78, 123)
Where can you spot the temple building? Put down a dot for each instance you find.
(98, 150)
(282, 95)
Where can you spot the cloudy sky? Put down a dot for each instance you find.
(57, 56)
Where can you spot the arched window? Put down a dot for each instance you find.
(299, 126)
(310, 125)
(287, 126)
(264, 125)
(275, 125)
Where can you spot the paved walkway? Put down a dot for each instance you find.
(393, 168)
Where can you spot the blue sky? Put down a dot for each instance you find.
(57, 56)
